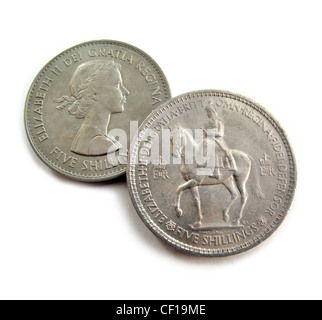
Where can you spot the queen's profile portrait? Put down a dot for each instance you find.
(96, 92)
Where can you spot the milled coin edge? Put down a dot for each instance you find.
(41, 155)
(182, 247)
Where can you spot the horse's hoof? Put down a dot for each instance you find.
(226, 217)
(197, 225)
(179, 212)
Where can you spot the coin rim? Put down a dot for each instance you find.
(39, 153)
(223, 252)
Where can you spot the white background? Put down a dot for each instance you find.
(61, 239)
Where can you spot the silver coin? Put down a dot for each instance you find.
(211, 173)
(79, 107)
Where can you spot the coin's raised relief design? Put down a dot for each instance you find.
(234, 175)
(160, 171)
(97, 91)
(214, 131)
(231, 155)
(84, 107)
(266, 168)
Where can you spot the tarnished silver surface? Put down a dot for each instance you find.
(82, 98)
(230, 202)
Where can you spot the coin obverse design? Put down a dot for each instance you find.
(79, 107)
(211, 173)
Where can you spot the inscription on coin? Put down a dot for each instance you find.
(233, 183)
(265, 166)
(80, 107)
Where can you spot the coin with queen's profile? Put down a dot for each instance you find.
(211, 173)
(79, 108)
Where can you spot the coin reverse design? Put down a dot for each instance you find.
(215, 203)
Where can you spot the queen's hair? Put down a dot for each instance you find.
(83, 86)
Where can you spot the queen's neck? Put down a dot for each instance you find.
(97, 117)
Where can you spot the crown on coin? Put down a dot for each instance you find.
(266, 161)
(159, 165)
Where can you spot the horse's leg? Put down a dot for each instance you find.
(241, 185)
(197, 202)
(231, 187)
(187, 185)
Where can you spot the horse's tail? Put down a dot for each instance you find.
(257, 189)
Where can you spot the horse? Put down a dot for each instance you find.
(234, 180)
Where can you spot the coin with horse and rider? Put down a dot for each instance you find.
(211, 173)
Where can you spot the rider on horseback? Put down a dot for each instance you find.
(214, 130)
